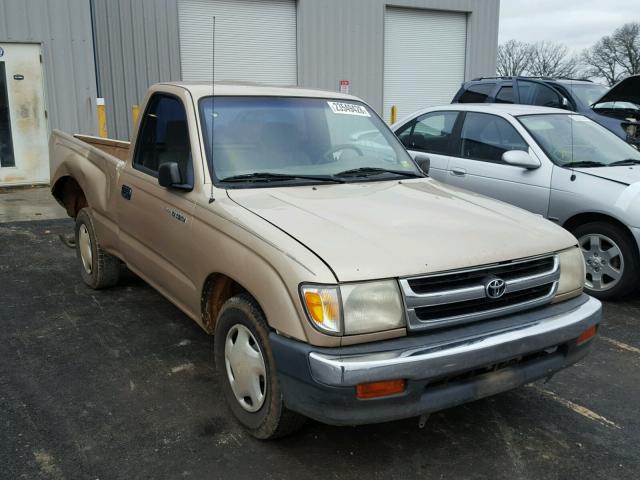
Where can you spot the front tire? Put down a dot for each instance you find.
(247, 370)
(98, 268)
(611, 259)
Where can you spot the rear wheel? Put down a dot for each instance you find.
(98, 268)
(611, 259)
(247, 371)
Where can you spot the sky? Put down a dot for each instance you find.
(576, 23)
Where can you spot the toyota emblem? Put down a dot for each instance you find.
(495, 288)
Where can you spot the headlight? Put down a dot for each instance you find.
(358, 308)
(571, 271)
(372, 307)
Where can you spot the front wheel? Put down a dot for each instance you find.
(611, 259)
(247, 370)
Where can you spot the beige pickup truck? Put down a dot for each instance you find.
(340, 282)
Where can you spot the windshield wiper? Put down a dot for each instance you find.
(625, 162)
(270, 177)
(584, 163)
(369, 171)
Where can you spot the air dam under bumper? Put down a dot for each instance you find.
(442, 369)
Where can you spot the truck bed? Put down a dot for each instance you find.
(94, 163)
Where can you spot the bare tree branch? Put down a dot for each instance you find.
(615, 57)
(513, 58)
(550, 59)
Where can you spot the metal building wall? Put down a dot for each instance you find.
(137, 44)
(63, 28)
(340, 39)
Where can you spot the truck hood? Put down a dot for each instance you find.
(627, 90)
(374, 230)
(626, 175)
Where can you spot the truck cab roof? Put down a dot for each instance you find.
(249, 89)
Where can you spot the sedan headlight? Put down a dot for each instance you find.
(571, 271)
(355, 308)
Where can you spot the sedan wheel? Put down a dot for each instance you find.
(603, 261)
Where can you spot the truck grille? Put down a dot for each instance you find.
(464, 296)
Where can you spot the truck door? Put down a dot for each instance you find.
(478, 165)
(155, 221)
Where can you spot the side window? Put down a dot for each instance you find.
(431, 133)
(486, 137)
(404, 133)
(164, 137)
(532, 93)
(505, 95)
(476, 93)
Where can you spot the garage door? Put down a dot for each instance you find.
(424, 58)
(255, 40)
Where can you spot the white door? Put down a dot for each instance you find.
(24, 156)
(424, 58)
(255, 40)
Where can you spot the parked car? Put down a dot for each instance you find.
(617, 108)
(555, 163)
(340, 282)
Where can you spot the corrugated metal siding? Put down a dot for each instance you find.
(255, 40)
(337, 39)
(137, 45)
(345, 40)
(424, 58)
(64, 30)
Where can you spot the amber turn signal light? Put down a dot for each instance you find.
(587, 335)
(380, 389)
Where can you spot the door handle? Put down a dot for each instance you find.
(126, 192)
(458, 172)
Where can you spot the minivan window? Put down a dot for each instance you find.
(486, 137)
(505, 95)
(533, 93)
(164, 137)
(290, 136)
(430, 133)
(477, 93)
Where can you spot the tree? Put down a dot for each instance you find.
(513, 58)
(550, 59)
(616, 56)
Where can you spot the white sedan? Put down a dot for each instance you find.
(556, 163)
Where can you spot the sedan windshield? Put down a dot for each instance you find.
(576, 141)
(259, 140)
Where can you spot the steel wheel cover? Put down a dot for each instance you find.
(245, 368)
(603, 261)
(84, 244)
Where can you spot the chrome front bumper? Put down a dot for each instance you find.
(449, 358)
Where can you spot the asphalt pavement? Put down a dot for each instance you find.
(119, 384)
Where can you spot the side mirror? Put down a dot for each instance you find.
(169, 175)
(423, 162)
(566, 104)
(520, 158)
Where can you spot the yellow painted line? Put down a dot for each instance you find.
(620, 345)
(579, 409)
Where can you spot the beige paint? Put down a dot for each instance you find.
(27, 109)
(359, 231)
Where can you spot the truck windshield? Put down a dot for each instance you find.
(296, 139)
(574, 140)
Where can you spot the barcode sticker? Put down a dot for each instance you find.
(348, 109)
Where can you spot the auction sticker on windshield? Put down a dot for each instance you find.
(348, 109)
